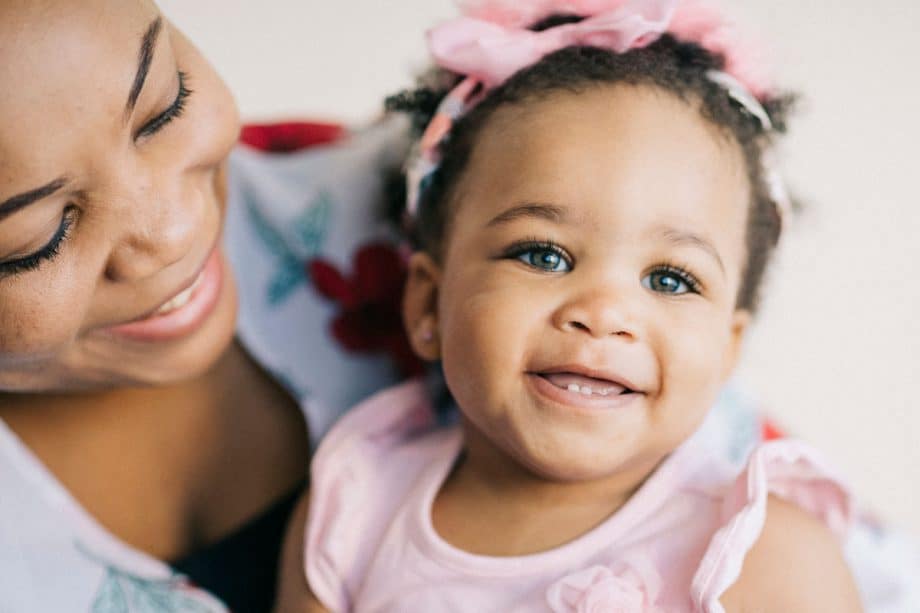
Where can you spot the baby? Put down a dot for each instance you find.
(594, 210)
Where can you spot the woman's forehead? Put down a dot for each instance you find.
(40, 36)
(63, 65)
(55, 47)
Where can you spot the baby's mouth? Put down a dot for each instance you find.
(587, 386)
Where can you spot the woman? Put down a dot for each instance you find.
(135, 430)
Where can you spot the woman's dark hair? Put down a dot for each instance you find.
(674, 66)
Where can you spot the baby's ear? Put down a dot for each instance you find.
(741, 318)
(420, 306)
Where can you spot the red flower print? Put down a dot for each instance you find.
(370, 301)
(287, 137)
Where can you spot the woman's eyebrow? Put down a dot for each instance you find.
(10, 206)
(145, 57)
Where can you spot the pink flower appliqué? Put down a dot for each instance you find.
(631, 586)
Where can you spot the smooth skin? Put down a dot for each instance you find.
(169, 444)
(630, 184)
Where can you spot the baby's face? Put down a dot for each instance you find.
(586, 304)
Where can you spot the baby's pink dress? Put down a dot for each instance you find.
(676, 545)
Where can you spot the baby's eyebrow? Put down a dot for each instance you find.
(549, 212)
(682, 237)
(145, 57)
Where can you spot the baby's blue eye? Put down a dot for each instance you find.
(544, 258)
(668, 282)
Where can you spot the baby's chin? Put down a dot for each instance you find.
(577, 461)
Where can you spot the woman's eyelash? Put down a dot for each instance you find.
(683, 274)
(46, 253)
(53, 248)
(174, 111)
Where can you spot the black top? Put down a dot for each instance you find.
(242, 568)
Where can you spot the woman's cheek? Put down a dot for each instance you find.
(38, 319)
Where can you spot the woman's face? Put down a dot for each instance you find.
(114, 133)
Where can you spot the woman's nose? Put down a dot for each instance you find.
(599, 312)
(153, 233)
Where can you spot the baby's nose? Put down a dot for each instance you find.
(599, 313)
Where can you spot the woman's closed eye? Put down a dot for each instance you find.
(544, 256)
(173, 112)
(47, 253)
(672, 280)
(53, 247)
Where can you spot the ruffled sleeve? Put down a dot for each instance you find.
(359, 476)
(785, 468)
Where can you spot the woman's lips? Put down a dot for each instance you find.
(183, 313)
(576, 390)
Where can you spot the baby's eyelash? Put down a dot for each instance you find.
(174, 111)
(683, 273)
(518, 248)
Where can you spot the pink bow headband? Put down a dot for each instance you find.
(493, 42)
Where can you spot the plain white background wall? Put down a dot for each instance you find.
(836, 351)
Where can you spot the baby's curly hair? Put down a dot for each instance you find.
(669, 64)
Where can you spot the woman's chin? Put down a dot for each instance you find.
(105, 361)
(175, 361)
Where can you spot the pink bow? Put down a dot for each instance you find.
(492, 41)
(490, 52)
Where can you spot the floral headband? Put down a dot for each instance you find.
(492, 41)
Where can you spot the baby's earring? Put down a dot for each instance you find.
(426, 333)
(425, 339)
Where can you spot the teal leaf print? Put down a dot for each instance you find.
(303, 240)
(289, 274)
(123, 592)
(111, 597)
(311, 226)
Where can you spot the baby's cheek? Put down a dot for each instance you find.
(691, 382)
(483, 344)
